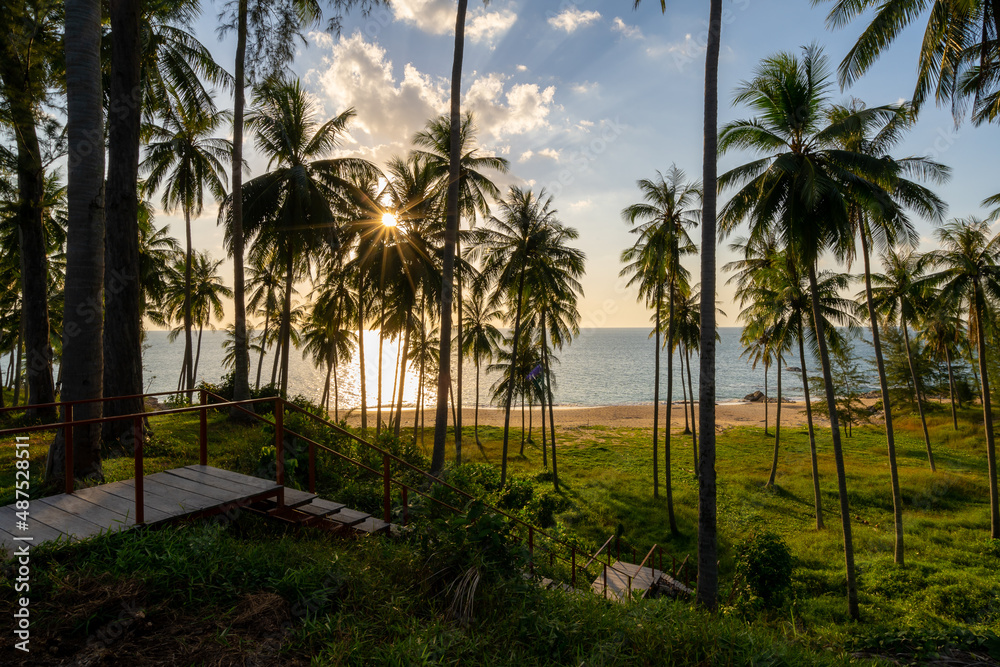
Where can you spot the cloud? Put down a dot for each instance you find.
(391, 107)
(626, 30)
(490, 26)
(522, 68)
(437, 17)
(581, 205)
(584, 87)
(550, 153)
(572, 19)
(526, 155)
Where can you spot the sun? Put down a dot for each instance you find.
(389, 219)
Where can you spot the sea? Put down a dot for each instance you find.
(603, 366)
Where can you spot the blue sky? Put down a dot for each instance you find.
(586, 97)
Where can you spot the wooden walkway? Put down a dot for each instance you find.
(617, 586)
(109, 508)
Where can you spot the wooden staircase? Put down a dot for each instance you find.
(308, 509)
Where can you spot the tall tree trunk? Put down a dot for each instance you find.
(381, 344)
(19, 362)
(684, 393)
(765, 398)
(777, 432)
(188, 318)
(552, 419)
(917, 392)
(278, 344)
(708, 558)
(656, 392)
(263, 345)
(694, 428)
(458, 342)
(402, 374)
(336, 389)
(545, 441)
(197, 356)
(812, 433)
(510, 384)
(951, 387)
(83, 349)
(448, 263)
(30, 231)
(838, 454)
(241, 370)
(890, 437)
(522, 423)
(361, 356)
(326, 386)
(478, 367)
(668, 483)
(286, 315)
(991, 456)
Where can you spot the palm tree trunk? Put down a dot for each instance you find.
(510, 384)
(777, 432)
(476, 428)
(765, 398)
(951, 387)
(83, 349)
(668, 482)
(694, 428)
(991, 456)
(656, 393)
(19, 363)
(241, 370)
(890, 437)
(708, 558)
(277, 357)
(917, 393)
(812, 433)
(681, 349)
(458, 342)
(263, 345)
(361, 355)
(838, 454)
(286, 315)
(336, 388)
(381, 344)
(197, 356)
(552, 418)
(326, 386)
(522, 423)
(395, 384)
(402, 374)
(188, 319)
(448, 263)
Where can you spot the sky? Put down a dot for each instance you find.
(586, 97)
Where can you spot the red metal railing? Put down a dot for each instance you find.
(281, 431)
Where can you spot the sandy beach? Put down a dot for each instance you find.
(727, 415)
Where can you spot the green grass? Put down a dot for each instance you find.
(207, 578)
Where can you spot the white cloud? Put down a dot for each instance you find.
(584, 87)
(391, 107)
(526, 155)
(581, 205)
(550, 153)
(522, 68)
(626, 30)
(490, 26)
(572, 19)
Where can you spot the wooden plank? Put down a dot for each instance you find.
(325, 504)
(296, 498)
(618, 583)
(315, 509)
(100, 495)
(39, 531)
(169, 500)
(348, 517)
(66, 523)
(181, 484)
(232, 487)
(240, 478)
(100, 516)
(371, 525)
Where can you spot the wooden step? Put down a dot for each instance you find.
(320, 507)
(347, 517)
(372, 526)
(293, 500)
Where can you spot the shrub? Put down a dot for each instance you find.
(763, 569)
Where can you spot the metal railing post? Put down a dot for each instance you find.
(406, 505)
(68, 448)
(203, 428)
(137, 455)
(312, 468)
(629, 594)
(605, 592)
(279, 447)
(386, 499)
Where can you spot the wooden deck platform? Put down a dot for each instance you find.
(169, 495)
(643, 579)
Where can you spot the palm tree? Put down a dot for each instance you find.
(969, 263)
(942, 331)
(482, 339)
(793, 136)
(82, 358)
(329, 338)
(186, 159)
(158, 252)
(687, 313)
(207, 292)
(295, 206)
(898, 295)
(264, 286)
(474, 190)
(512, 245)
(882, 226)
(660, 221)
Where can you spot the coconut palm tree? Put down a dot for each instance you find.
(512, 245)
(900, 296)
(329, 337)
(482, 339)
(294, 206)
(792, 136)
(83, 358)
(264, 286)
(660, 221)
(942, 331)
(474, 191)
(185, 158)
(969, 263)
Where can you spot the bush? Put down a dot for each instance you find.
(763, 569)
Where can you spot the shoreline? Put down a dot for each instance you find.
(727, 414)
